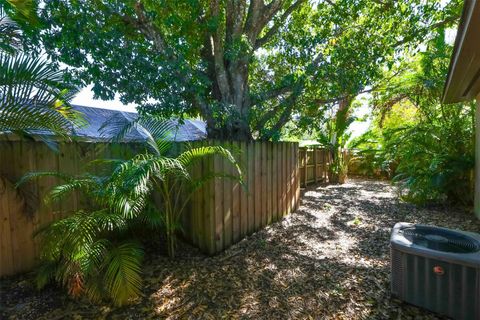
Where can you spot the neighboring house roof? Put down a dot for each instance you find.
(463, 80)
(189, 130)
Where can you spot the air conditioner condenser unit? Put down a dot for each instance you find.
(437, 269)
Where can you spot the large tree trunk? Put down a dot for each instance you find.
(234, 105)
(227, 51)
(228, 73)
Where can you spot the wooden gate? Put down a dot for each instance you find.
(313, 165)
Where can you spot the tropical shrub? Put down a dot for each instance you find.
(368, 157)
(426, 146)
(436, 159)
(334, 135)
(98, 251)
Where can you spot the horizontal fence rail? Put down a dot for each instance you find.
(221, 213)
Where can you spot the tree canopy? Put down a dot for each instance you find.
(246, 67)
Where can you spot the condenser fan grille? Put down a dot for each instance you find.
(440, 240)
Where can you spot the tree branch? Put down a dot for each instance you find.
(254, 9)
(258, 17)
(267, 116)
(346, 96)
(273, 93)
(285, 116)
(234, 19)
(151, 31)
(273, 30)
(430, 27)
(288, 104)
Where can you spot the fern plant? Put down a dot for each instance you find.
(98, 251)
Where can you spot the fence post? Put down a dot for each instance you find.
(305, 162)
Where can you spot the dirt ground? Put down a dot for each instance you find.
(329, 260)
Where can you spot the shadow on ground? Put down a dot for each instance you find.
(329, 260)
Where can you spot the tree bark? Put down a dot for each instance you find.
(477, 159)
(230, 79)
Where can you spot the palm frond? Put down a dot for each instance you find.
(152, 217)
(34, 97)
(157, 132)
(35, 175)
(45, 273)
(68, 236)
(62, 191)
(160, 132)
(87, 183)
(194, 155)
(24, 11)
(123, 267)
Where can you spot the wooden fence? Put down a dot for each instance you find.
(221, 213)
(22, 211)
(313, 165)
(225, 212)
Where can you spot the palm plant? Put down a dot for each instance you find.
(155, 171)
(33, 94)
(98, 251)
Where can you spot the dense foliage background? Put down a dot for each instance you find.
(425, 146)
(281, 69)
(246, 67)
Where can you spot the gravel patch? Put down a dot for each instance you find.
(329, 260)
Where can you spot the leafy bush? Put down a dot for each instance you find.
(427, 147)
(436, 161)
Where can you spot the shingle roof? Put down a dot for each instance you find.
(190, 130)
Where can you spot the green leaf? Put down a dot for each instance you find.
(123, 267)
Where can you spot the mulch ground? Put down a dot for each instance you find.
(329, 260)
